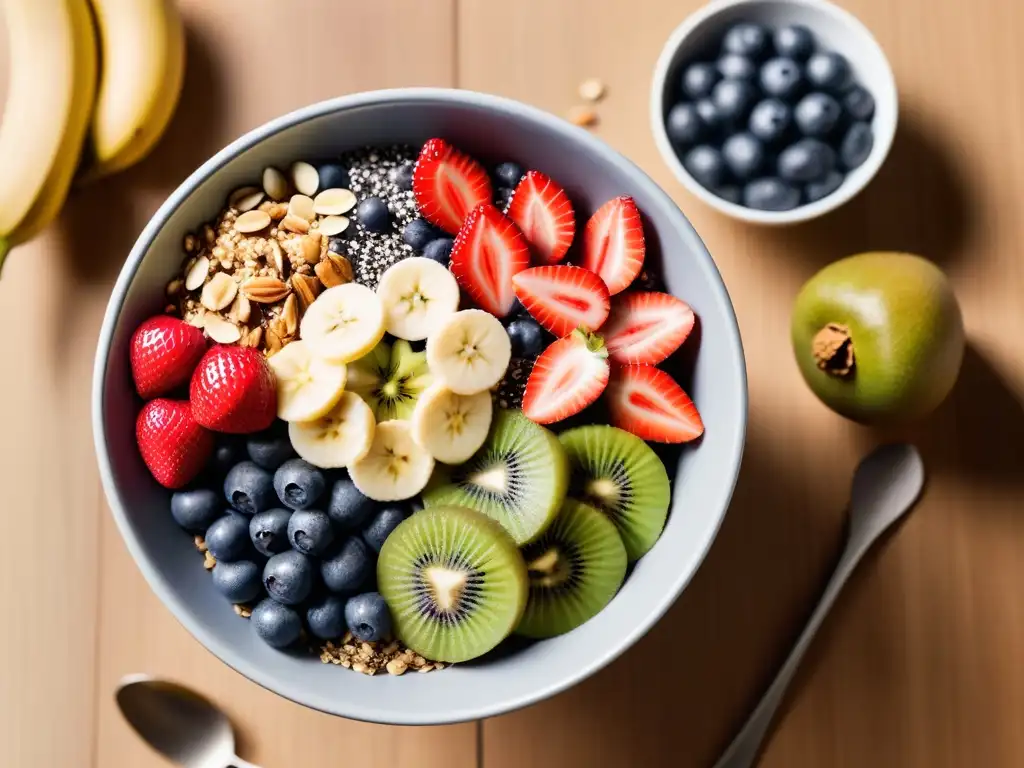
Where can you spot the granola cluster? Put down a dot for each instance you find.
(371, 658)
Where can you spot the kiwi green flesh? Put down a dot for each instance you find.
(619, 474)
(575, 568)
(454, 581)
(519, 477)
(390, 378)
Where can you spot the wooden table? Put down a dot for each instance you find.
(920, 664)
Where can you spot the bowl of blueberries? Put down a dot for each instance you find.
(773, 111)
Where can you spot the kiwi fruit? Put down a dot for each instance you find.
(454, 581)
(619, 474)
(575, 568)
(519, 477)
(390, 378)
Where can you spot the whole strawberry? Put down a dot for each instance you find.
(233, 390)
(164, 352)
(173, 446)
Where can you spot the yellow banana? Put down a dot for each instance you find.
(49, 100)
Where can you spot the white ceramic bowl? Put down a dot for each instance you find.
(836, 30)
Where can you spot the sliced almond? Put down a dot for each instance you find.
(592, 90)
(294, 223)
(309, 247)
(333, 225)
(219, 292)
(275, 257)
(253, 337)
(196, 317)
(334, 202)
(265, 290)
(301, 206)
(221, 330)
(334, 270)
(305, 178)
(245, 198)
(174, 287)
(196, 274)
(271, 342)
(277, 211)
(290, 315)
(252, 221)
(241, 309)
(275, 184)
(306, 289)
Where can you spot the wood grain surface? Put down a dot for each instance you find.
(920, 663)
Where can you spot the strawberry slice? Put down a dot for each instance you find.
(647, 401)
(613, 243)
(488, 252)
(563, 298)
(646, 327)
(448, 184)
(542, 211)
(566, 378)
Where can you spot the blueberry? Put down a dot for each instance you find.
(326, 617)
(743, 155)
(418, 233)
(819, 189)
(706, 165)
(709, 114)
(733, 100)
(402, 176)
(859, 103)
(683, 125)
(299, 484)
(794, 41)
(526, 336)
(277, 625)
(729, 192)
(771, 194)
(347, 566)
(270, 448)
(518, 310)
(698, 80)
(829, 72)
(239, 582)
(440, 250)
(736, 66)
(289, 576)
(807, 160)
(195, 509)
(333, 176)
(856, 145)
(508, 175)
(348, 508)
(816, 114)
(647, 280)
(368, 617)
(228, 538)
(373, 214)
(769, 120)
(268, 531)
(781, 77)
(249, 488)
(382, 524)
(747, 40)
(229, 451)
(503, 198)
(309, 531)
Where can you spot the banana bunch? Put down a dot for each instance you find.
(62, 104)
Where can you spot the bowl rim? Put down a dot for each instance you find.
(180, 609)
(883, 138)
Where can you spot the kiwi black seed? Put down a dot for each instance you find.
(619, 474)
(518, 477)
(390, 378)
(575, 568)
(454, 581)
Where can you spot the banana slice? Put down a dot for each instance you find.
(451, 427)
(396, 467)
(337, 439)
(307, 386)
(418, 295)
(344, 323)
(469, 352)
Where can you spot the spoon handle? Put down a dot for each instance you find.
(237, 762)
(743, 750)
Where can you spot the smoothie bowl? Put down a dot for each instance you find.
(412, 381)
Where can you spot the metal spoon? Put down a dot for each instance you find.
(885, 487)
(178, 723)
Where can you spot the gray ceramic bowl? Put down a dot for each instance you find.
(491, 128)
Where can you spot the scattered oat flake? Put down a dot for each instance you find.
(585, 117)
(592, 90)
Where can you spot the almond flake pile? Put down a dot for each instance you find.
(371, 658)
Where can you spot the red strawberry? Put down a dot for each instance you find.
(164, 352)
(448, 184)
(488, 252)
(613, 243)
(647, 401)
(173, 446)
(234, 390)
(563, 298)
(566, 378)
(541, 209)
(646, 327)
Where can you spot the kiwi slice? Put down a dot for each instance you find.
(575, 568)
(390, 378)
(454, 582)
(519, 477)
(623, 477)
